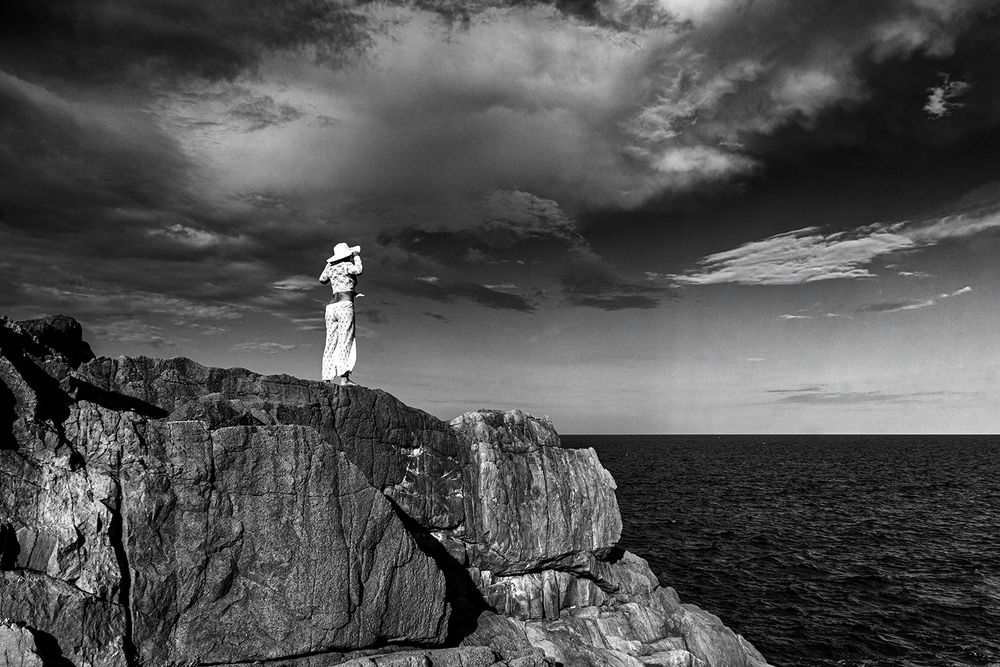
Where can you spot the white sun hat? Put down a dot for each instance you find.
(342, 250)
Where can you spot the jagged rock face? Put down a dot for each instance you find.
(532, 502)
(272, 543)
(159, 512)
(82, 628)
(411, 457)
(168, 541)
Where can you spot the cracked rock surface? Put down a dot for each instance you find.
(159, 512)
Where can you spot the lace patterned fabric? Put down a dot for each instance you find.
(342, 275)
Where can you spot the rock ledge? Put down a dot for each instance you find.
(159, 512)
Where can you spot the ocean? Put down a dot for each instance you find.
(823, 550)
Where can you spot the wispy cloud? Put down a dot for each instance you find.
(263, 347)
(959, 292)
(133, 333)
(911, 304)
(822, 395)
(295, 284)
(809, 254)
(802, 256)
(896, 306)
(804, 315)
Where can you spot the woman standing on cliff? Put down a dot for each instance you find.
(342, 269)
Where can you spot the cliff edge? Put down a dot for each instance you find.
(159, 512)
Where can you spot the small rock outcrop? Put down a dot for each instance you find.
(159, 512)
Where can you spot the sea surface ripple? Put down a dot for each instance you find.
(823, 550)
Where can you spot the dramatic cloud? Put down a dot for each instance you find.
(109, 43)
(520, 231)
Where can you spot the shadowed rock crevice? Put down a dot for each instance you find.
(115, 533)
(84, 391)
(28, 358)
(9, 547)
(7, 416)
(464, 598)
(48, 649)
(62, 334)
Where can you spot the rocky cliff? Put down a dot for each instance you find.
(158, 512)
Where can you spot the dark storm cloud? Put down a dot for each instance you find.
(126, 165)
(107, 41)
(514, 225)
(63, 163)
(528, 232)
(770, 80)
(589, 281)
(449, 292)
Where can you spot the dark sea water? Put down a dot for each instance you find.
(823, 550)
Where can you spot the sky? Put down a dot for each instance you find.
(633, 216)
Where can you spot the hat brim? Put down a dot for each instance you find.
(337, 257)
